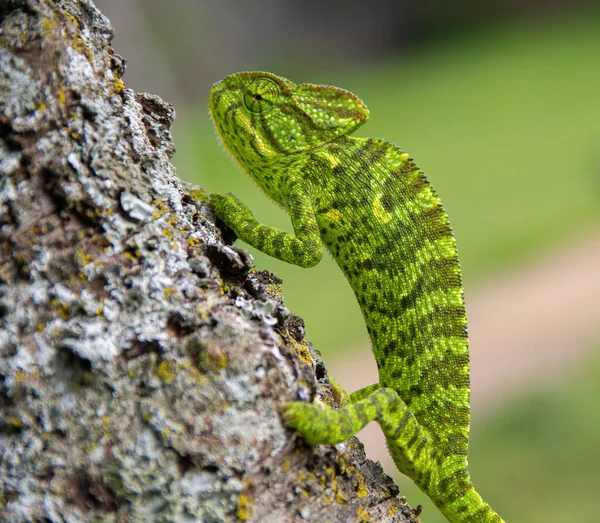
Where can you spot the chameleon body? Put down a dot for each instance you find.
(386, 228)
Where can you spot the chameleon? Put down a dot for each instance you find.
(384, 224)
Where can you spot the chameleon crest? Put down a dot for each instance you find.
(377, 213)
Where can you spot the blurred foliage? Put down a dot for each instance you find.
(538, 459)
(196, 41)
(507, 125)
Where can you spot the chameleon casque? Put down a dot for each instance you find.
(386, 228)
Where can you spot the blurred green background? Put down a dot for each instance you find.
(500, 105)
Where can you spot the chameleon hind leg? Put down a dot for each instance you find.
(444, 478)
(319, 425)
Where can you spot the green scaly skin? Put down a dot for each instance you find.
(384, 224)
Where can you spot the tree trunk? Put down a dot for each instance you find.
(142, 359)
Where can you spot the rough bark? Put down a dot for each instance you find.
(142, 359)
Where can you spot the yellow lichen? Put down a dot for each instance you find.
(73, 20)
(64, 313)
(203, 314)
(214, 358)
(393, 511)
(159, 204)
(48, 25)
(301, 349)
(82, 257)
(274, 290)
(166, 371)
(15, 422)
(364, 515)
(323, 481)
(243, 511)
(198, 194)
(221, 362)
(22, 376)
(79, 44)
(362, 491)
(118, 84)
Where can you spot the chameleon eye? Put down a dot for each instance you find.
(261, 95)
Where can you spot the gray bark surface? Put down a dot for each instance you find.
(142, 358)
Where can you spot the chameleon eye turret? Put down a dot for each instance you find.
(261, 95)
(377, 213)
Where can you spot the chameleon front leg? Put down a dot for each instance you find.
(302, 248)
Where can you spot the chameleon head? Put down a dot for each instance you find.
(261, 116)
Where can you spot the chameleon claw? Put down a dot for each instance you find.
(339, 394)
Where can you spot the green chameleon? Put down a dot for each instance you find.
(384, 224)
